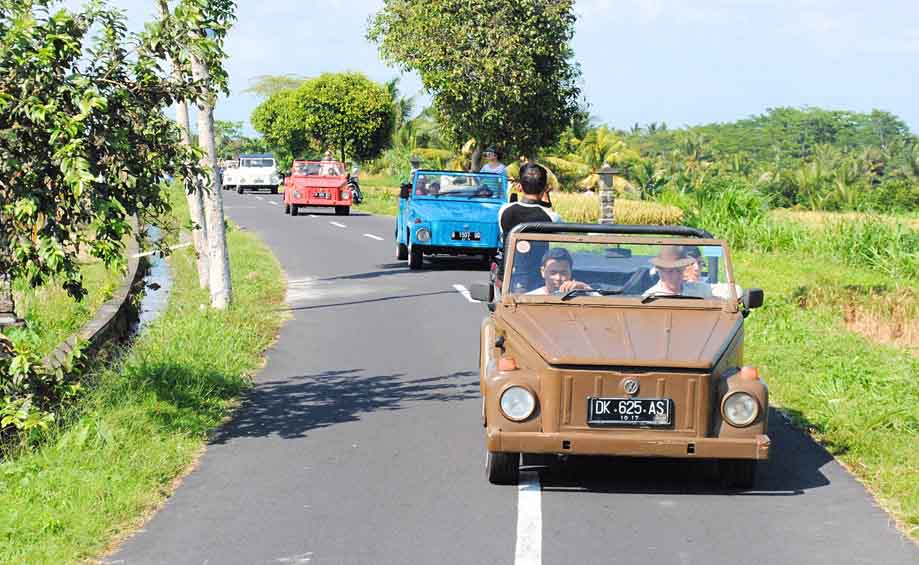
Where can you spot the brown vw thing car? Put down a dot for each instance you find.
(620, 340)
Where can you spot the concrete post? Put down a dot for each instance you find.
(607, 194)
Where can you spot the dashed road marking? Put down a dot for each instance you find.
(337, 225)
(371, 236)
(272, 202)
(529, 520)
(259, 198)
(464, 291)
(313, 216)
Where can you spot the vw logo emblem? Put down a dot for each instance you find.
(630, 386)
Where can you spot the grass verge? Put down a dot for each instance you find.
(858, 397)
(145, 420)
(52, 316)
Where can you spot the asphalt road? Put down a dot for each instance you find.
(361, 443)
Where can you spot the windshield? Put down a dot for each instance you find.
(644, 271)
(324, 168)
(459, 185)
(256, 162)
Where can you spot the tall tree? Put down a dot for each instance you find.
(204, 24)
(194, 194)
(84, 140)
(346, 112)
(265, 86)
(499, 71)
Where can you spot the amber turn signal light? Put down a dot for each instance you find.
(749, 373)
(507, 364)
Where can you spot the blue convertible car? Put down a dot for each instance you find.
(449, 212)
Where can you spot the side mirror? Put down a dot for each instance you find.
(482, 292)
(513, 197)
(753, 297)
(405, 191)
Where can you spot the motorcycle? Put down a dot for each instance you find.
(355, 187)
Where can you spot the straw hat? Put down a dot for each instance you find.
(672, 257)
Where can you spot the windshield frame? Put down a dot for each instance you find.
(502, 183)
(245, 162)
(730, 304)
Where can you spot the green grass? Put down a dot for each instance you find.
(145, 420)
(381, 200)
(860, 398)
(52, 316)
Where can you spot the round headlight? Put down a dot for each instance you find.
(740, 409)
(517, 403)
(345, 195)
(423, 234)
(297, 194)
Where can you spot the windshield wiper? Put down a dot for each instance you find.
(575, 291)
(653, 297)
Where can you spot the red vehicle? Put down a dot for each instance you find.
(317, 183)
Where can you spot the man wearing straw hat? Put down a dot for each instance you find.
(670, 263)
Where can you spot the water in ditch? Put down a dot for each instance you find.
(157, 285)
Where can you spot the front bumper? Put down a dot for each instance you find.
(581, 443)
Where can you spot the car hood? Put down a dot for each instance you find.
(640, 337)
(456, 210)
(319, 182)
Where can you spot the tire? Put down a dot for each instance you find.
(415, 258)
(738, 473)
(287, 208)
(274, 190)
(502, 468)
(294, 210)
(401, 251)
(343, 210)
(239, 189)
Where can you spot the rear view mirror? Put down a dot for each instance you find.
(405, 191)
(753, 297)
(482, 292)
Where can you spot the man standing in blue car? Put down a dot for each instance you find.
(534, 206)
(492, 164)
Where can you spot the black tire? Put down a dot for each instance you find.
(274, 190)
(294, 210)
(343, 210)
(401, 251)
(287, 208)
(737, 473)
(502, 468)
(240, 189)
(415, 258)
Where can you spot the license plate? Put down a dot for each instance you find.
(467, 236)
(322, 195)
(629, 411)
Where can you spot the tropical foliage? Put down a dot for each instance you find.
(346, 112)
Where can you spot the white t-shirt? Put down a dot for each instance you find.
(500, 168)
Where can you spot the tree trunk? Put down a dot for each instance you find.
(476, 160)
(221, 289)
(193, 192)
(195, 197)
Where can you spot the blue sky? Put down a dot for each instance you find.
(681, 62)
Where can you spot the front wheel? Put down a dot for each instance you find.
(239, 189)
(294, 209)
(502, 468)
(415, 258)
(738, 473)
(286, 208)
(342, 210)
(401, 251)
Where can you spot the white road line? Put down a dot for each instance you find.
(371, 236)
(148, 253)
(464, 291)
(337, 225)
(529, 520)
(259, 198)
(313, 216)
(272, 202)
